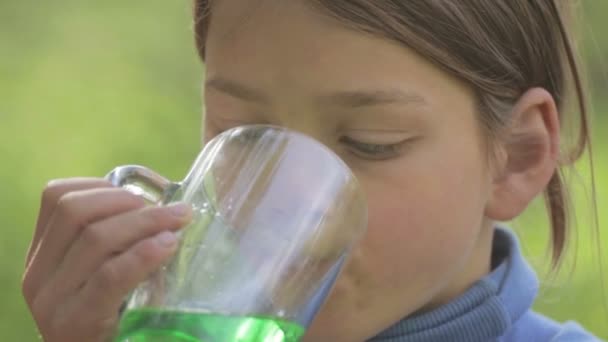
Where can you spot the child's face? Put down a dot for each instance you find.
(408, 131)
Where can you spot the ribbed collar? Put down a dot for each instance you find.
(485, 311)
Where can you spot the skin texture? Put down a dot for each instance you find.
(433, 192)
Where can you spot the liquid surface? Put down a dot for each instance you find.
(155, 325)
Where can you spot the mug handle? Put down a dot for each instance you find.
(139, 180)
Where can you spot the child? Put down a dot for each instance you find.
(447, 111)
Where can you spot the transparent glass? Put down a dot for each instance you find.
(276, 214)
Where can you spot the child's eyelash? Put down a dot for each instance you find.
(372, 151)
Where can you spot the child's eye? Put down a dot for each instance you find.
(371, 151)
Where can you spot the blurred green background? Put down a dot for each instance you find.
(85, 86)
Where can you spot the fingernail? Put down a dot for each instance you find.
(166, 239)
(179, 209)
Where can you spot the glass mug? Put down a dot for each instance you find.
(275, 216)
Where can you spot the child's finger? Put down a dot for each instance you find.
(108, 286)
(50, 196)
(100, 240)
(74, 211)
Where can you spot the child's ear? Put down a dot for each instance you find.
(528, 156)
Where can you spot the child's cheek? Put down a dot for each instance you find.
(418, 231)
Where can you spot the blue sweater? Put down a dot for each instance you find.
(496, 308)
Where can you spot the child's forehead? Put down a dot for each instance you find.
(244, 12)
(286, 51)
(300, 45)
(236, 21)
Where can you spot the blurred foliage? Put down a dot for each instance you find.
(85, 86)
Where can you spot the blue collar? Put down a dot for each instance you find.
(485, 311)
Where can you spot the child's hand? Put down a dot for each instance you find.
(92, 245)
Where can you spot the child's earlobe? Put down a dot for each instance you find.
(531, 148)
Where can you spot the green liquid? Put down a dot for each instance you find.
(153, 325)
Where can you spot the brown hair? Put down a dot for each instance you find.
(501, 48)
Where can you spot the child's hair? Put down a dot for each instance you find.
(501, 48)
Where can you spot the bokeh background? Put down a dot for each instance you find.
(86, 86)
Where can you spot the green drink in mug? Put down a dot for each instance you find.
(276, 214)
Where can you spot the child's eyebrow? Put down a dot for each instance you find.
(237, 90)
(347, 98)
(365, 98)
